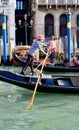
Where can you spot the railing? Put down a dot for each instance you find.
(57, 2)
(4, 2)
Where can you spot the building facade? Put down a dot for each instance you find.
(50, 18)
(8, 8)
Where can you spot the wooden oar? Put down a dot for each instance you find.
(39, 65)
(39, 78)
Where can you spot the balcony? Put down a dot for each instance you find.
(57, 2)
(4, 2)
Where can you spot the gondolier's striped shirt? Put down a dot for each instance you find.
(36, 46)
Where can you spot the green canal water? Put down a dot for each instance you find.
(49, 111)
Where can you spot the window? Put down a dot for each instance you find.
(4, 1)
(19, 5)
(49, 26)
(63, 25)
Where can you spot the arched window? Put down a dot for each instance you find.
(49, 26)
(78, 31)
(0, 25)
(63, 25)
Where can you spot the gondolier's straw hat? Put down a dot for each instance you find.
(40, 37)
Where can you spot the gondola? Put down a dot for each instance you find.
(57, 67)
(48, 83)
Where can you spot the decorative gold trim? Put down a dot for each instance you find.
(68, 25)
(4, 26)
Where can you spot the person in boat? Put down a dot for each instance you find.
(77, 61)
(36, 45)
(52, 46)
(73, 63)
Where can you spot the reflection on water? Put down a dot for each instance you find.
(49, 111)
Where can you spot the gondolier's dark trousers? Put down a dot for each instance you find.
(29, 62)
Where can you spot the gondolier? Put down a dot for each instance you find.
(36, 46)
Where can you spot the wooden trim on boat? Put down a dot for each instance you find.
(21, 51)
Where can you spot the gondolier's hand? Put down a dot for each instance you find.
(48, 53)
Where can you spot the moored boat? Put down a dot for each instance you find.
(57, 67)
(21, 52)
(49, 83)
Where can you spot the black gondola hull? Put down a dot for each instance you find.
(49, 84)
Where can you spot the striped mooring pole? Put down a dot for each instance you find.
(4, 37)
(69, 34)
